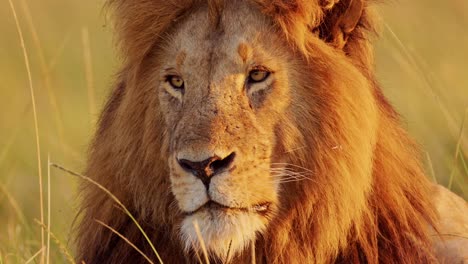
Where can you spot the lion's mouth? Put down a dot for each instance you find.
(260, 208)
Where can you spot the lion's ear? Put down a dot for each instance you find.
(340, 18)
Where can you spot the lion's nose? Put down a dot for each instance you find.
(206, 169)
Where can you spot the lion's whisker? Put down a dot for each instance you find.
(283, 177)
(291, 171)
(295, 149)
(290, 174)
(296, 176)
(291, 165)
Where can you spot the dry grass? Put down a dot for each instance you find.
(48, 210)
(89, 72)
(62, 248)
(31, 259)
(116, 200)
(458, 150)
(69, 62)
(45, 71)
(36, 126)
(125, 239)
(202, 242)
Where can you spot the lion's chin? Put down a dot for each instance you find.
(224, 233)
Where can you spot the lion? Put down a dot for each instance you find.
(254, 131)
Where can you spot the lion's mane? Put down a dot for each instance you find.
(335, 219)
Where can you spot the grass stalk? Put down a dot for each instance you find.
(54, 60)
(457, 150)
(252, 248)
(125, 239)
(45, 74)
(196, 251)
(451, 124)
(48, 210)
(12, 138)
(465, 166)
(65, 251)
(431, 167)
(34, 256)
(36, 126)
(89, 73)
(115, 200)
(14, 205)
(201, 241)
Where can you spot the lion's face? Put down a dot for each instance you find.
(224, 89)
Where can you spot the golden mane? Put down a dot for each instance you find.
(391, 227)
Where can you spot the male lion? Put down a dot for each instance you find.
(261, 122)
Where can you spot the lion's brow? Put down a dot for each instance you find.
(180, 59)
(244, 51)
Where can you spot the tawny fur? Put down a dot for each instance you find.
(367, 199)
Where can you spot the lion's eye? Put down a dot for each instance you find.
(176, 82)
(256, 76)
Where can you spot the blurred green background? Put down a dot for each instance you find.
(421, 61)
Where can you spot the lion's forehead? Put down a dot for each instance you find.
(211, 46)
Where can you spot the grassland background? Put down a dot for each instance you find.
(422, 63)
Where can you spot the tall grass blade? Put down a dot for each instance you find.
(414, 62)
(201, 241)
(457, 150)
(252, 248)
(196, 251)
(89, 74)
(65, 251)
(9, 142)
(54, 60)
(125, 239)
(45, 74)
(115, 200)
(14, 205)
(431, 168)
(48, 210)
(34, 256)
(36, 126)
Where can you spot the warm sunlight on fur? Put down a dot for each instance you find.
(262, 122)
